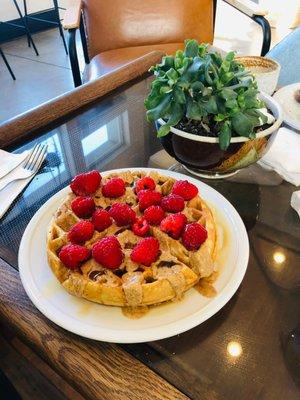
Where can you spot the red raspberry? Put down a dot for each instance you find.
(172, 203)
(122, 214)
(154, 215)
(148, 198)
(86, 184)
(144, 183)
(108, 253)
(83, 207)
(146, 251)
(114, 188)
(72, 255)
(194, 235)
(185, 189)
(81, 232)
(141, 227)
(173, 225)
(101, 220)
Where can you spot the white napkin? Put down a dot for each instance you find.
(9, 161)
(283, 155)
(13, 189)
(295, 201)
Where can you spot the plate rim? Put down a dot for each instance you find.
(278, 97)
(147, 334)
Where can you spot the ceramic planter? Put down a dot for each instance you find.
(203, 156)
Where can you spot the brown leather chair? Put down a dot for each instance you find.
(114, 32)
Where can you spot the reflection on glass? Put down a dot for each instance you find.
(94, 139)
(54, 168)
(234, 349)
(279, 257)
(105, 142)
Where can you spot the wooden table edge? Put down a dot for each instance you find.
(97, 370)
(24, 125)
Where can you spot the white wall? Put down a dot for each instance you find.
(8, 11)
(283, 14)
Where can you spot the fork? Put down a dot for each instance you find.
(29, 167)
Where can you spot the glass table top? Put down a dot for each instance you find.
(250, 348)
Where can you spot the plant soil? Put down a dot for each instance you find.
(197, 128)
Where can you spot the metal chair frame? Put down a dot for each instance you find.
(7, 64)
(23, 26)
(54, 23)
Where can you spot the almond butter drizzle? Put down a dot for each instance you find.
(205, 285)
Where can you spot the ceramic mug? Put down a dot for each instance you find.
(265, 70)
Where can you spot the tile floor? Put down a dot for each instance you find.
(40, 78)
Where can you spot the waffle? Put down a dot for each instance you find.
(174, 272)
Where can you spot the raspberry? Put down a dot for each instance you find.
(114, 188)
(146, 251)
(148, 198)
(83, 207)
(122, 214)
(141, 227)
(81, 232)
(185, 189)
(101, 220)
(154, 215)
(144, 183)
(194, 235)
(108, 253)
(72, 255)
(173, 225)
(172, 203)
(86, 184)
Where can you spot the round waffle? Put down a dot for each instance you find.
(175, 271)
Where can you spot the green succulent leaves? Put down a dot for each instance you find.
(203, 86)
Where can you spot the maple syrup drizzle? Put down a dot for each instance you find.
(84, 309)
(93, 275)
(50, 289)
(135, 312)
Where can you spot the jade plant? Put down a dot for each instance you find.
(216, 93)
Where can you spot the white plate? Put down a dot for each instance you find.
(290, 107)
(108, 323)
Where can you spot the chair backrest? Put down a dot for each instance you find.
(112, 24)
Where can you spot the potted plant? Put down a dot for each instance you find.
(209, 113)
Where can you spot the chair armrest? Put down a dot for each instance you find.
(72, 15)
(247, 7)
(72, 22)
